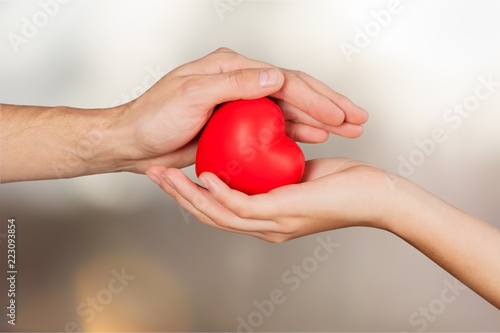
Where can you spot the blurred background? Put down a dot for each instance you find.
(114, 253)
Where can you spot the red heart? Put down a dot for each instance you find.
(245, 145)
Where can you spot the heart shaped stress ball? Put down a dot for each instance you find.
(244, 143)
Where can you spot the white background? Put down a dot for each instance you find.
(427, 58)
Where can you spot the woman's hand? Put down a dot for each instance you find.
(334, 193)
(337, 193)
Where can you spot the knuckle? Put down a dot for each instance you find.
(225, 223)
(236, 79)
(223, 55)
(242, 211)
(189, 87)
(240, 207)
(299, 73)
(291, 129)
(223, 49)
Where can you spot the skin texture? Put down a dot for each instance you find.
(161, 126)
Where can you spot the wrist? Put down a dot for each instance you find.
(407, 207)
(117, 144)
(109, 144)
(397, 199)
(64, 142)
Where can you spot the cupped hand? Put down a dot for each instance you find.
(334, 193)
(166, 120)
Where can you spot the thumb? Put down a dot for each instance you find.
(248, 83)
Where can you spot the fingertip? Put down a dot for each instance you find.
(271, 77)
(210, 181)
(354, 132)
(203, 180)
(219, 189)
(360, 132)
(157, 169)
(154, 173)
(168, 181)
(366, 116)
(305, 133)
(154, 177)
(319, 136)
(170, 176)
(363, 115)
(357, 116)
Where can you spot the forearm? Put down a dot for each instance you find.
(61, 142)
(463, 245)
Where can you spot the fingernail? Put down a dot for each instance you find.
(269, 77)
(153, 177)
(168, 181)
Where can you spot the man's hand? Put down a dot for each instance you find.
(161, 126)
(171, 114)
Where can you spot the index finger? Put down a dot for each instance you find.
(353, 113)
(319, 101)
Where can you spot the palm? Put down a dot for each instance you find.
(333, 193)
(329, 166)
